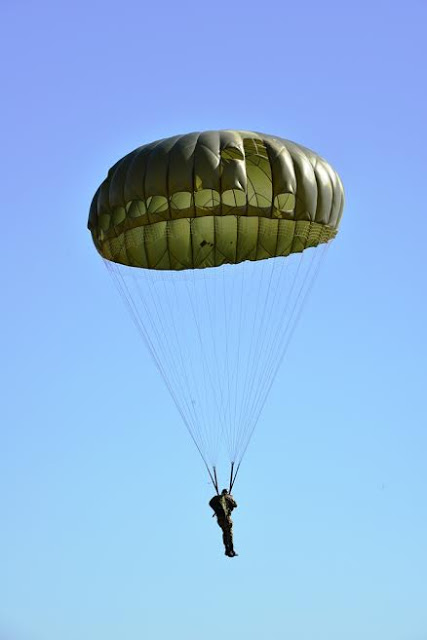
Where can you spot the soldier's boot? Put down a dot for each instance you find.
(228, 543)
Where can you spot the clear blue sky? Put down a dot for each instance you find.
(105, 531)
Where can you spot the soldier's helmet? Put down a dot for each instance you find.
(224, 492)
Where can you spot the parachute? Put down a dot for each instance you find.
(213, 240)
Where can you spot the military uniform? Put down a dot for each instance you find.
(223, 505)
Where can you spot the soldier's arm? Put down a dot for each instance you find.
(232, 502)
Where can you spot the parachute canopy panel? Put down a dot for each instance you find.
(218, 197)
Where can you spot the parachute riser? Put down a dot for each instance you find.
(215, 480)
(214, 477)
(233, 475)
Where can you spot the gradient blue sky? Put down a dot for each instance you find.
(105, 531)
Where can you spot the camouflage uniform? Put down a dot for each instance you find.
(223, 505)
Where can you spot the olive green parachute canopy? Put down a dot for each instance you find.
(206, 199)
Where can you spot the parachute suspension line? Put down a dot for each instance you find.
(286, 345)
(226, 342)
(295, 315)
(275, 356)
(269, 347)
(214, 483)
(259, 343)
(226, 330)
(167, 347)
(311, 277)
(236, 394)
(217, 387)
(218, 415)
(249, 355)
(204, 402)
(236, 319)
(123, 288)
(185, 376)
(228, 339)
(206, 322)
(265, 302)
(273, 351)
(119, 281)
(190, 420)
(182, 372)
(193, 391)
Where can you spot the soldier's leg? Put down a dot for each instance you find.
(228, 539)
(224, 526)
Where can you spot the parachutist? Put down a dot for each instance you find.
(223, 505)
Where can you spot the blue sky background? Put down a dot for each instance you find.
(105, 531)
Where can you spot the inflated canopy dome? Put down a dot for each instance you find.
(206, 199)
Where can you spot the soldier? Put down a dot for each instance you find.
(223, 505)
